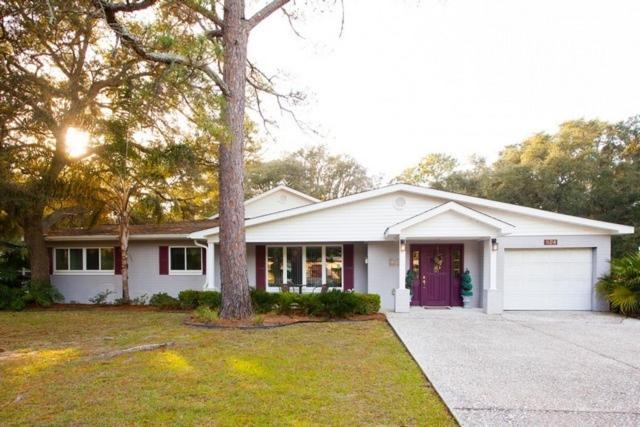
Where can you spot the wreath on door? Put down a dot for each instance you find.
(437, 263)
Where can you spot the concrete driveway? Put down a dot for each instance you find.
(528, 368)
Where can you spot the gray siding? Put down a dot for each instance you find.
(383, 271)
(144, 277)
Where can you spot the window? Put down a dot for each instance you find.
(185, 260)
(333, 259)
(311, 266)
(74, 260)
(314, 265)
(275, 263)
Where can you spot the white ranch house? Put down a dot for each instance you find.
(519, 258)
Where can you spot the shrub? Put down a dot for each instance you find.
(42, 293)
(367, 303)
(164, 300)
(339, 304)
(101, 297)
(263, 301)
(288, 302)
(621, 287)
(192, 299)
(11, 298)
(257, 320)
(205, 314)
(311, 305)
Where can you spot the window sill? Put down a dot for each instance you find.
(85, 273)
(185, 273)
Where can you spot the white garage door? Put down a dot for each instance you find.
(547, 279)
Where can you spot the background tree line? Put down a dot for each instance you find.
(587, 168)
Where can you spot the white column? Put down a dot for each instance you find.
(402, 264)
(211, 257)
(402, 294)
(493, 267)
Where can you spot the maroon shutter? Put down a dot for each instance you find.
(261, 270)
(164, 260)
(203, 251)
(117, 262)
(50, 254)
(348, 267)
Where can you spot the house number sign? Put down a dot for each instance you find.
(551, 242)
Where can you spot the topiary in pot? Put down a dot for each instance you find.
(466, 289)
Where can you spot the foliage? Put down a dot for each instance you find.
(139, 300)
(621, 286)
(587, 168)
(37, 292)
(409, 278)
(313, 171)
(466, 287)
(330, 304)
(193, 299)
(164, 301)
(41, 293)
(367, 303)
(101, 297)
(205, 314)
(263, 301)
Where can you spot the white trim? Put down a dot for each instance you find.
(538, 213)
(397, 229)
(323, 279)
(273, 190)
(109, 237)
(84, 271)
(185, 272)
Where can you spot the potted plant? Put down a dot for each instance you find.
(466, 289)
(408, 280)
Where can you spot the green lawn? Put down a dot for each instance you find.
(311, 374)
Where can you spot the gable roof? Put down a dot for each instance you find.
(502, 226)
(281, 187)
(413, 189)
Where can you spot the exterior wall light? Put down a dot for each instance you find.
(494, 244)
(403, 245)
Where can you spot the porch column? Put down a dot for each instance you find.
(211, 257)
(402, 294)
(492, 297)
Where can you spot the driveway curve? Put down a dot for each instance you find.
(528, 368)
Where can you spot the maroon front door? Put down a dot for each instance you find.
(437, 274)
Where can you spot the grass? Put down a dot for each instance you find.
(312, 374)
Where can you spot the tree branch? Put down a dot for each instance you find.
(56, 216)
(263, 13)
(159, 57)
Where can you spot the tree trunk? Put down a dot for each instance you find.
(124, 254)
(236, 301)
(36, 245)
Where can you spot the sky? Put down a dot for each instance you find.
(410, 77)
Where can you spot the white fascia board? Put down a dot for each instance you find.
(107, 237)
(412, 189)
(502, 226)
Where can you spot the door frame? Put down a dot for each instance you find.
(454, 297)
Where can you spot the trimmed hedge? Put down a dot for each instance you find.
(193, 299)
(330, 304)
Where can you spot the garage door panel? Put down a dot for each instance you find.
(548, 279)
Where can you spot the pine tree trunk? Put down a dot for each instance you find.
(36, 245)
(124, 254)
(236, 301)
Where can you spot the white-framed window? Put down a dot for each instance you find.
(185, 260)
(309, 265)
(84, 260)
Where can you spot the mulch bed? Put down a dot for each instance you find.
(277, 321)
